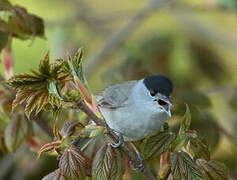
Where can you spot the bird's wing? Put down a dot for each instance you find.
(115, 96)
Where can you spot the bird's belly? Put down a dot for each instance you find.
(133, 125)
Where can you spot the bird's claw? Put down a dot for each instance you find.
(116, 145)
(138, 165)
(120, 140)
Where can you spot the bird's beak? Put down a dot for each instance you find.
(169, 112)
(168, 107)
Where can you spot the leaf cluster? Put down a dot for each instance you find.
(188, 154)
(39, 89)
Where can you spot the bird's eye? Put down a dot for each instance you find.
(162, 103)
(152, 93)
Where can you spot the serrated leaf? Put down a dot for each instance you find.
(197, 147)
(107, 164)
(73, 163)
(55, 175)
(39, 90)
(212, 170)
(74, 68)
(74, 65)
(186, 121)
(154, 146)
(17, 130)
(183, 167)
(44, 66)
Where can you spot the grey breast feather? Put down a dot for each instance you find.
(115, 96)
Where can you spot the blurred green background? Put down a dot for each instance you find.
(194, 42)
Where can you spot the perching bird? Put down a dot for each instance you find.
(136, 109)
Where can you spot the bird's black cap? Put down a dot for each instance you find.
(159, 83)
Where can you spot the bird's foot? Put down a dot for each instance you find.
(138, 164)
(120, 140)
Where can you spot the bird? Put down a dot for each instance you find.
(138, 108)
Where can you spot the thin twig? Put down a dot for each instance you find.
(125, 148)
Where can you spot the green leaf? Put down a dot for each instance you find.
(197, 147)
(73, 163)
(154, 146)
(183, 167)
(186, 121)
(74, 64)
(107, 164)
(18, 129)
(53, 90)
(55, 175)
(212, 170)
(92, 130)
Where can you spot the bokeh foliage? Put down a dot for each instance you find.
(193, 42)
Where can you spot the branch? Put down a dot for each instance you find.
(119, 37)
(131, 154)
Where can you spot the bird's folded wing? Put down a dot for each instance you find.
(115, 96)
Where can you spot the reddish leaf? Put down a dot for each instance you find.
(55, 175)
(213, 170)
(73, 163)
(183, 167)
(108, 164)
(49, 147)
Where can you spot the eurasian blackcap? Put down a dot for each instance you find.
(136, 109)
